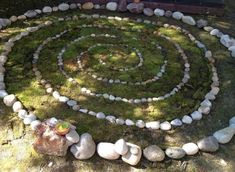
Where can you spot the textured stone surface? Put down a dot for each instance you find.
(154, 153)
(208, 144)
(175, 152)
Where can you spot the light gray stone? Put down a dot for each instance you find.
(129, 122)
(30, 14)
(187, 119)
(47, 9)
(154, 153)
(155, 125)
(177, 15)
(135, 7)
(3, 93)
(140, 123)
(17, 106)
(190, 148)
(165, 126)
(111, 6)
(208, 144)
(106, 151)
(176, 122)
(175, 152)
(9, 100)
(224, 135)
(196, 115)
(159, 12)
(148, 11)
(85, 148)
(100, 115)
(129, 157)
(63, 7)
(188, 20)
(72, 136)
(121, 147)
(232, 121)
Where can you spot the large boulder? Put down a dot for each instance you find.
(111, 6)
(107, 151)
(224, 135)
(133, 155)
(135, 7)
(85, 148)
(63, 7)
(188, 20)
(154, 153)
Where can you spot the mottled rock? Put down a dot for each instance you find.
(208, 144)
(135, 7)
(148, 11)
(106, 151)
(85, 148)
(190, 148)
(175, 152)
(154, 153)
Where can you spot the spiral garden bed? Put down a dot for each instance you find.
(113, 76)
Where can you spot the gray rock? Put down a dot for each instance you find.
(190, 148)
(13, 18)
(196, 115)
(72, 6)
(71, 103)
(176, 122)
(30, 14)
(129, 122)
(159, 12)
(165, 126)
(201, 23)
(224, 135)
(21, 17)
(3, 93)
(9, 100)
(63, 7)
(208, 28)
(85, 148)
(135, 7)
(208, 144)
(154, 153)
(232, 121)
(47, 9)
(187, 119)
(134, 154)
(175, 152)
(63, 99)
(72, 136)
(106, 151)
(17, 106)
(122, 4)
(140, 123)
(120, 121)
(111, 6)
(121, 147)
(168, 13)
(148, 12)
(177, 15)
(188, 20)
(100, 115)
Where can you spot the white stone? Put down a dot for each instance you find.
(47, 9)
(22, 113)
(190, 148)
(9, 100)
(30, 14)
(3, 93)
(56, 94)
(28, 121)
(224, 135)
(129, 122)
(187, 119)
(111, 118)
(106, 151)
(177, 15)
(206, 103)
(17, 106)
(121, 147)
(215, 90)
(72, 136)
(112, 6)
(155, 125)
(176, 122)
(130, 158)
(214, 32)
(140, 123)
(63, 7)
(71, 103)
(120, 121)
(208, 54)
(165, 126)
(159, 12)
(232, 121)
(63, 99)
(204, 110)
(35, 124)
(85, 148)
(196, 115)
(188, 20)
(100, 115)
